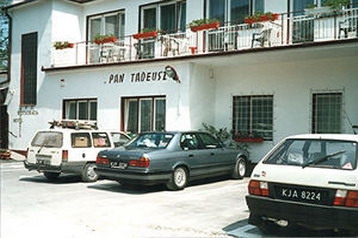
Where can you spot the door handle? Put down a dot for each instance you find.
(212, 153)
(191, 155)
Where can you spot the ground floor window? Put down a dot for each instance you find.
(253, 116)
(327, 112)
(143, 114)
(80, 109)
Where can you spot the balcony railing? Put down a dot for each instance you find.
(286, 30)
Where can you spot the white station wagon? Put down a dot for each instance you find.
(307, 181)
(70, 148)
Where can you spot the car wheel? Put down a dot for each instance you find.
(178, 180)
(89, 174)
(51, 175)
(240, 168)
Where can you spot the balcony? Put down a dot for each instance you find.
(287, 30)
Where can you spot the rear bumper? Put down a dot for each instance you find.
(142, 177)
(64, 167)
(309, 215)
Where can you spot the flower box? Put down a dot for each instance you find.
(250, 139)
(214, 25)
(102, 39)
(60, 45)
(261, 18)
(144, 35)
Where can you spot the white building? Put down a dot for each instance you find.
(299, 76)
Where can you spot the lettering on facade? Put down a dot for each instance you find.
(137, 77)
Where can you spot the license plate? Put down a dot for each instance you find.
(302, 194)
(45, 162)
(118, 165)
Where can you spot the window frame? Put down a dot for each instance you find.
(248, 117)
(125, 116)
(315, 118)
(68, 106)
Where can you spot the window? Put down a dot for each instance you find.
(253, 116)
(233, 10)
(327, 113)
(144, 114)
(108, 23)
(81, 109)
(80, 140)
(169, 16)
(29, 69)
(100, 139)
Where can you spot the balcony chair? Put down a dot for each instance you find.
(348, 25)
(170, 44)
(263, 36)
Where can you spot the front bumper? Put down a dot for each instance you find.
(309, 215)
(147, 178)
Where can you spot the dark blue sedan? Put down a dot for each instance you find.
(172, 158)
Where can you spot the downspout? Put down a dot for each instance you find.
(9, 45)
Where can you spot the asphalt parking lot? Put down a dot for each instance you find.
(31, 206)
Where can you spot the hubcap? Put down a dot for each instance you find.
(180, 177)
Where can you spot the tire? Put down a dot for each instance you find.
(52, 175)
(178, 180)
(240, 169)
(89, 174)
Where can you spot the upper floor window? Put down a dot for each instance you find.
(327, 112)
(253, 116)
(80, 109)
(233, 10)
(167, 16)
(108, 23)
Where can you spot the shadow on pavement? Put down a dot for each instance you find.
(63, 179)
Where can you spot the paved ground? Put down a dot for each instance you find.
(31, 206)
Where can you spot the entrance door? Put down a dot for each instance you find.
(4, 125)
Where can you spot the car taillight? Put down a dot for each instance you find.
(64, 155)
(258, 188)
(102, 160)
(142, 162)
(346, 198)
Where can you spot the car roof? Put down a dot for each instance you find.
(348, 137)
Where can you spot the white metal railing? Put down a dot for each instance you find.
(286, 30)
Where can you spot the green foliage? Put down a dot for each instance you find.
(4, 36)
(199, 22)
(226, 137)
(336, 4)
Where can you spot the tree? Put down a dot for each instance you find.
(4, 36)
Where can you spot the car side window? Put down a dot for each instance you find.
(100, 139)
(209, 141)
(189, 142)
(119, 139)
(80, 140)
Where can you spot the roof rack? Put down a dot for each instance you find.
(74, 124)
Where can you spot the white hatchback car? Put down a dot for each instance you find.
(307, 181)
(68, 150)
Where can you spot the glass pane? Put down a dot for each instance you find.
(149, 18)
(82, 111)
(159, 114)
(259, 6)
(217, 10)
(100, 139)
(300, 5)
(327, 113)
(95, 28)
(93, 110)
(182, 16)
(168, 18)
(241, 117)
(132, 121)
(239, 9)
(145, 115)
(262, 114)
(71, 110)
(112, 25)
(80, 140)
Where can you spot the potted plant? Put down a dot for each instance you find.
(101, 39)
(261, 17)
(5, 154)
(336, 5)
(60, 45)
(203, 24)
(146, 33)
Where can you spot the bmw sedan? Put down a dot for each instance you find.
(171, 158)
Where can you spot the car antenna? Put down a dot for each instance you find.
(350, 123)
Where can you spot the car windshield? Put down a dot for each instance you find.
(316, 153)
(158, 140)
(48, 139)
